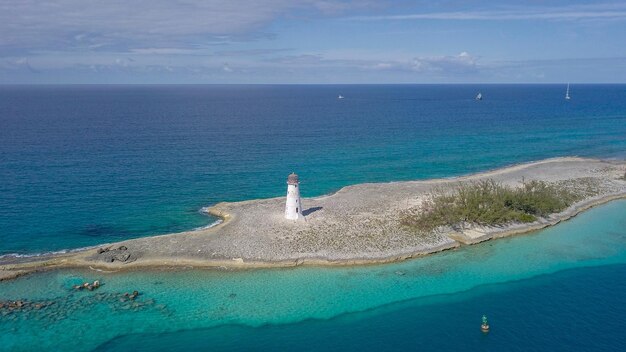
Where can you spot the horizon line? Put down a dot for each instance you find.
(309, 84)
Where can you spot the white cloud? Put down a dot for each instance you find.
(20, 63)
(570, 12)
(162, 51)
(462, 63)
(127, 24)
(123, 62)
(249, 52)
(197, 37)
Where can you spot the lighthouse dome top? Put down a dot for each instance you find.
(292, 179)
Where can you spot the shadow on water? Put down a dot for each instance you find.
(311, 210)
(95, 230)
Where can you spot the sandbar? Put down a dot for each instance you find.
(359, 224)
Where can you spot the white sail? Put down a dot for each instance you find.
(567, 97)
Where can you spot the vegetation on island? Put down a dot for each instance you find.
(489, 203)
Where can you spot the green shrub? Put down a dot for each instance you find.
(489, 203)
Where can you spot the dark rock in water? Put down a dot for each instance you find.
(98, 230)
(232, 295)
(65, 307)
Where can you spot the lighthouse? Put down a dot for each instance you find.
(293, 206)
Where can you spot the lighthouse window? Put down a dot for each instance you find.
(296, 209)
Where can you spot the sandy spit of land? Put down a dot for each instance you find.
(359, 224)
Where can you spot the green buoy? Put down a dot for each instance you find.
(484, 327)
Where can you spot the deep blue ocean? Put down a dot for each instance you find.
(83, 165)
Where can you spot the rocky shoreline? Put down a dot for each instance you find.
(359, 224)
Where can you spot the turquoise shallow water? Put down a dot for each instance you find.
(522, 318)
(573, 276)
(82, 165)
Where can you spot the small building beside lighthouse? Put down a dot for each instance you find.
(293, 206)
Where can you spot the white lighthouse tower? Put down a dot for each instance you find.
(293, 207)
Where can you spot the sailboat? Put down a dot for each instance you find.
(340, 96)
(479, 96)
(567, 93)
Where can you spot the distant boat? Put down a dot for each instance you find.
(340, 96)
(479, 96)
(567, 97)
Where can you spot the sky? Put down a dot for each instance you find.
(311, 41)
